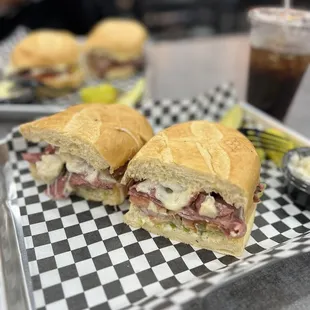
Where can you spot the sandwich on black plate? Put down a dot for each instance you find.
(198, 183)
(88, 147)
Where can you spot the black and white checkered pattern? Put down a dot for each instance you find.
(82, 256)
(209, 106)
(190, 295)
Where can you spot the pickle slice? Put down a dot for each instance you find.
(104, 93)
(276, 157)
(131, 97)
(233, 118)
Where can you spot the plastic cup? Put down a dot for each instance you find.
(279, 57)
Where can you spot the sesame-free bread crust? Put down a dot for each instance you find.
(121, 39)
(105, 136)
(201, 155)
(45, 48)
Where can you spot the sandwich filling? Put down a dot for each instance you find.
(44, 73)
(64, 172)
(100, 63)
(191, 209)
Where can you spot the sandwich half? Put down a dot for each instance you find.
(87, 150)
(197, 183)
(114, 48)
(49, 56)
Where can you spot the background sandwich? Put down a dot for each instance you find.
(88, 148)
(49, 56)
(198, 183)
(114, 48)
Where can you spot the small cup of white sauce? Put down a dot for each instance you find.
(296, 169)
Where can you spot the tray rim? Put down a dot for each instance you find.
(267, 120)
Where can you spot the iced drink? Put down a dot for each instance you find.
(280, 55)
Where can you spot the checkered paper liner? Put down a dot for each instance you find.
(191, 294)
(8, 44)
(82, 256)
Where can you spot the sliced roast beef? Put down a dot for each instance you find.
(57, 190)
(142, 201)
(41, 74)
(119, 172)
(49, 149)
(63, 186)
(228, 218)
(150, 197)
(229, 223)
(34, 157)
(76, 179)
(101, 63)
(66, 182)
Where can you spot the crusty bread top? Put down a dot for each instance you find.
(200, 155)
(104, 135)
(45, 48)
(119, 38)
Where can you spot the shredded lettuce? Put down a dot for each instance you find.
(200, 227)
(173, 225)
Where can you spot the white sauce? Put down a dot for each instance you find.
(67, 188)
(300, 167)
(173, 197)
(208, 208)
(49, 167)
(56, 68)
(75, 164)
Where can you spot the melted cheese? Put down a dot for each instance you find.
(208, 208)
(55, 68)
(300, 167)
(75, 164)
(173, 198)
(49, 167)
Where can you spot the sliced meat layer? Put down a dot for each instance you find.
(101, 63)
(230, 224)
(59, 189)
(119, 172)
(41, 74)
(34, 157)
(228, 218)
(64, 185)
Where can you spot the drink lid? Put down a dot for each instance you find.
(280, 16)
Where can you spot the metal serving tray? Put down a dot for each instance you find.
(15, 283)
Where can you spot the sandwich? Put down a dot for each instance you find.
(87, 149)
(48, 56)
(197, 183)
(114, 48)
